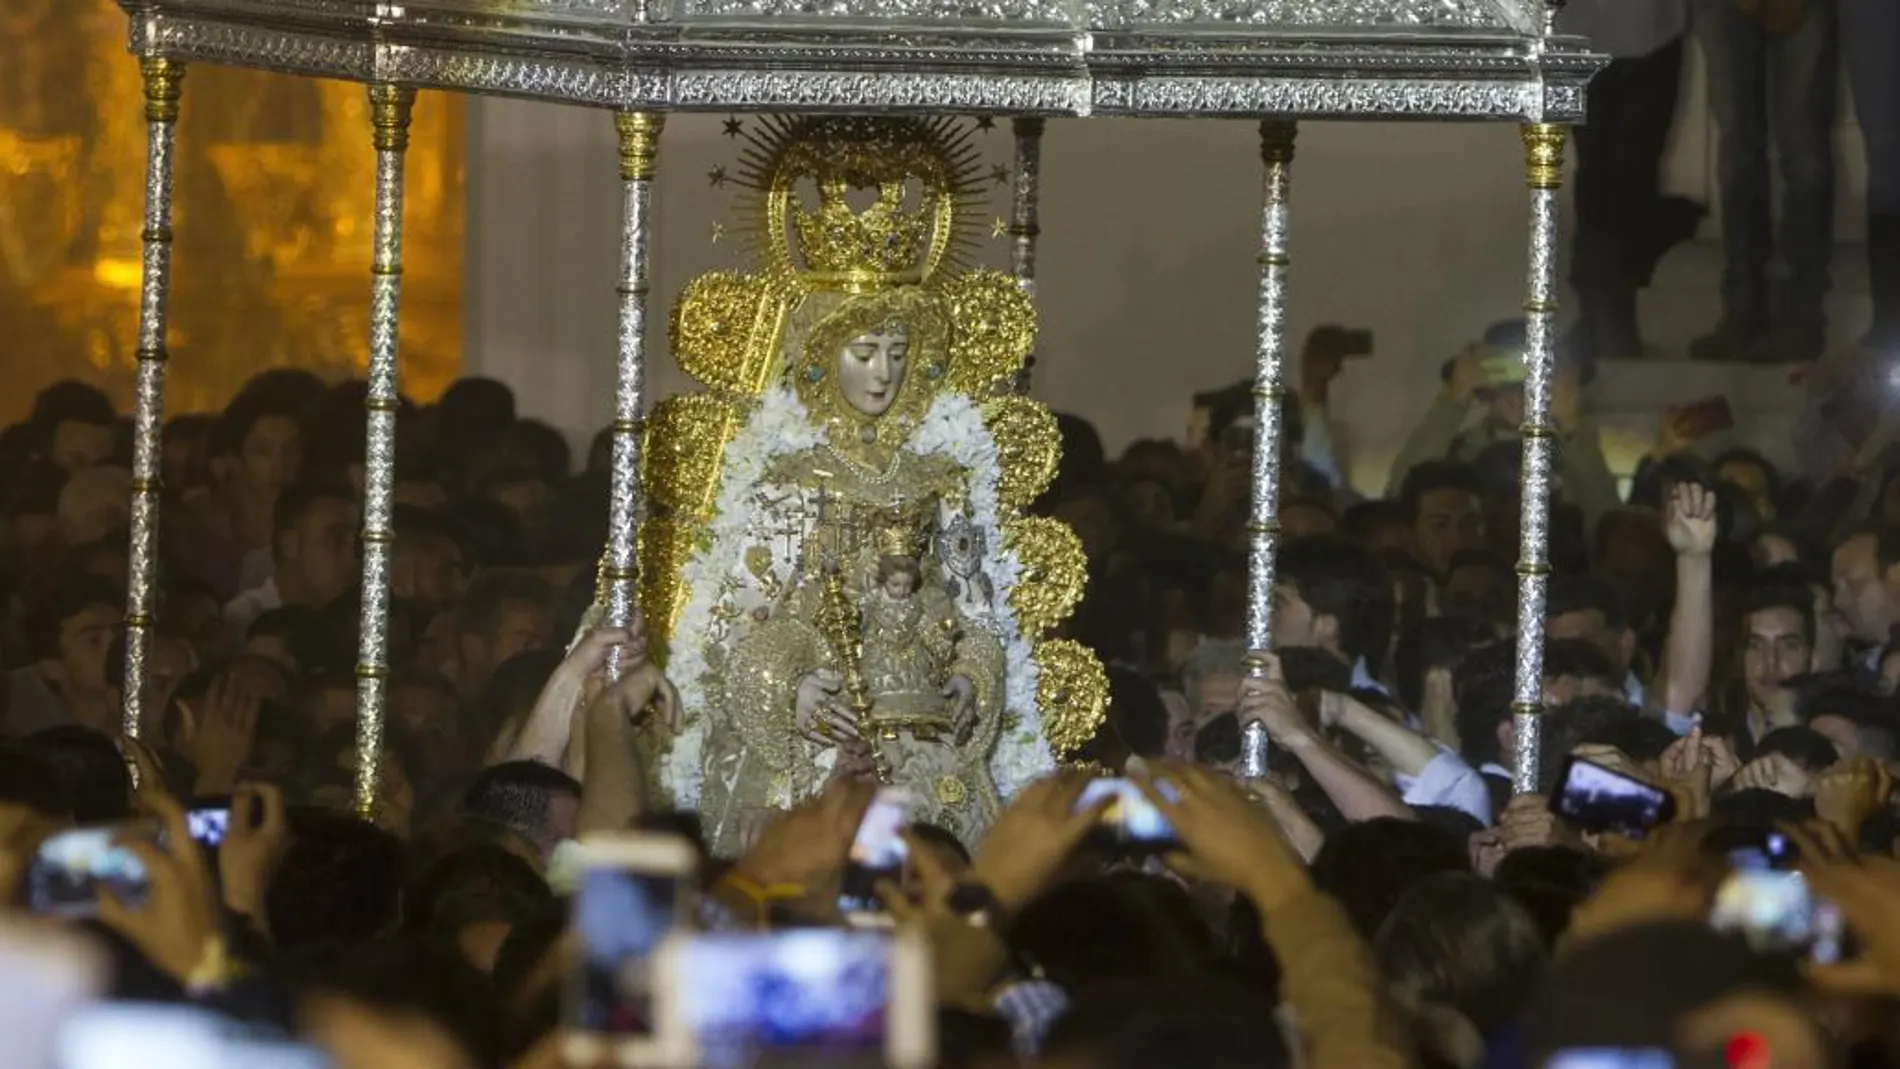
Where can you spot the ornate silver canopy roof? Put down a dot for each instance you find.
(1442, 59)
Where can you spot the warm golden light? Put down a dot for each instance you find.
(273, 200)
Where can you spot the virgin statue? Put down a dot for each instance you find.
(835, 553)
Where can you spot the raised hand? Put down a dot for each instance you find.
(1269, 701)
(1226, 837)
(1033, 837)
(1849, 793)
(1690, 520)
(226, 727)
(254, 843)
(1775, 772)
(1867, 890)
(807, 846)
(1688, 768)
(1528, 821)
(177, 928)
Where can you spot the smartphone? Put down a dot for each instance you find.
(1341, 341)
(209, 820)
(1612, 1058)
(48, 971)
(797, 996)
(1595, 798)
(1131, 824)
(634, 890)
(66, 873)
(1711, 415)
(152, 1036)
(878, 853)
(1767, 900)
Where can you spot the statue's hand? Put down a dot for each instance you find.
(961, 693)
(821, 718)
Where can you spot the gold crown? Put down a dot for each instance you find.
(856, 203)
(899, 540)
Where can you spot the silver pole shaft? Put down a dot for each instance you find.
(1263, 526)
(164, 88)
(1544, 172)
(390, 108)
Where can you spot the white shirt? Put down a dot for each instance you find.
(1448, 780)
(1625, 29)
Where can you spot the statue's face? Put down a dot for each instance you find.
(871, 369)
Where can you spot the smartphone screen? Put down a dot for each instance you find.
(621, 916)
(1131, 823)
(173, 1037)
(877, 852)
(1596, 798)
(208, 824)
(69, 869)
(1611, 1058)
(809, 995)
(1769, 902)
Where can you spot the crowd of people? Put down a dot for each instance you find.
(1724, 634)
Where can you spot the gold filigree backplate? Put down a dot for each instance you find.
(995, 331)
(726, 330)
(1029, 445)
(685, 442)
(666, 544)
(1072, 690)
(1055, 572)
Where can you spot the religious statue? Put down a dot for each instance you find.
(836, 546)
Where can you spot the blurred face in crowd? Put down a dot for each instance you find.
(1449, 520)
(84, 638)
(1478, 592)
(1181, 725)
(1303, 518)
(197, 617)
(317, 557)
(1863, 594)
(429, 572)
(32, 540)
(1777, 650)
(1296, 624)
(270, 458)
(519, 626)
(94, 506)
(169, 660)
(1617, 643)
(1638, 562)
(1150, 505)
(1770, 549)
(78, 446)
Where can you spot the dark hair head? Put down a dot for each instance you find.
(540, 445)
(1369, 865)
(29, 781)
(70, 401)
(1339, 578)
(1650, 485)
(517, 795)
(1137, 722)
(1628, 989)
(1097, 933)
(1801, 744)
(1084, 461)
(47, 614)
(1199, 1022)
(475, 885)
(1577, 658)
(513, 688)
(1570, 593)
(1797, 598)
(1550, 882)
(1857, 701)
(1436, 642)
(479, 612)
(241, 417)
(1754, 459)
(90, 770)
(475, 407)
(295, 503)
(339, 885)
(425, 977)
(299, 628)
(1598, 721)
(1759, 807)
(1363, 521)
(1482, 686)
(1434, 475)
(1456, 940)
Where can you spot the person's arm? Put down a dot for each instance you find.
(1690, 649)
(612, 782)
(1434, 436)
(1327, 975)
(1424, 772)
(1586, 476)
(1355, 791)
(544, 735)
(1301, 833)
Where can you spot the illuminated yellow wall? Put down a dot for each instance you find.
(274, 188)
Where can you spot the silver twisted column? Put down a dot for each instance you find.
(390, 107)
(639, 160)
(1025, 220)
(1269, 370)
(1544, 174)
(164, 88)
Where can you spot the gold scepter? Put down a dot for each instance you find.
(842, 623)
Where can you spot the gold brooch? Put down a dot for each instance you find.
(951, 791)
